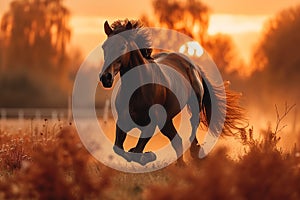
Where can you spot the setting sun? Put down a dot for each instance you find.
(192, 49)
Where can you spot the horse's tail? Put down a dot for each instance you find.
(222, 111)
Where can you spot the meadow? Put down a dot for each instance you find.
(46, 160)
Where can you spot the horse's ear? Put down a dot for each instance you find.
(107, 28)
(128, 25)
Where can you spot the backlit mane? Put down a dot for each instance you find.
(140, 35)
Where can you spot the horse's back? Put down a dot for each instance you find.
(177, 61)
(185, 67)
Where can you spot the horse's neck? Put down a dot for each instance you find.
(142, 71)
(137, 59)
(139, 63)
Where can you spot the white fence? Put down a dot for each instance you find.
(34, 113)
(48, 113)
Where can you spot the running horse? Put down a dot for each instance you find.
(151, 94)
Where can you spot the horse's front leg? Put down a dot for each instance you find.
(138, 155)
(119, 141)
(120, 137)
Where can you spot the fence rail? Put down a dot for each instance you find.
(47, 113)
(28, 113)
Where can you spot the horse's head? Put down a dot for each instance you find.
(116, 55)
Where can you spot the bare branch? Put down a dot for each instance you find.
(279, 117)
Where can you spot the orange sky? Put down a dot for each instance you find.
(243, 20)
(132, 8)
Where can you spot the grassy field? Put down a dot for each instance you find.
(46, 160)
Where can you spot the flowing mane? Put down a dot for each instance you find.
(140, 35)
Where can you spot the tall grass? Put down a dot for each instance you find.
(43, 167)
(55, 165)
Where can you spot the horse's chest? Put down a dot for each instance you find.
(140, 101)
(146, 96)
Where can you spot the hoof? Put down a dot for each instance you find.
(180, 162)
(147, 157)
(122, 153)
(143, 158)
(194, 151)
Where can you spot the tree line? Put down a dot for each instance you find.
(35, 65)
(36, 68)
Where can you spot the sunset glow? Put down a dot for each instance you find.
(219, 23)
(192, 49)
(88, 30)
(241, 20)
(236, 24)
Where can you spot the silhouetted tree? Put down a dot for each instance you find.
(39, 26)
(191, 17)
(1, 53)
(277, 56)
(36, 33)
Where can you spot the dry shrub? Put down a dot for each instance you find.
(263, 172)
(209, 178)
(60, 169)
(13, 153)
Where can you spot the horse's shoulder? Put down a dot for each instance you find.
(160, 55)
(171, 56)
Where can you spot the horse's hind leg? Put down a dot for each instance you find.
(195, 147)
(195, 121)
(170, 131)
